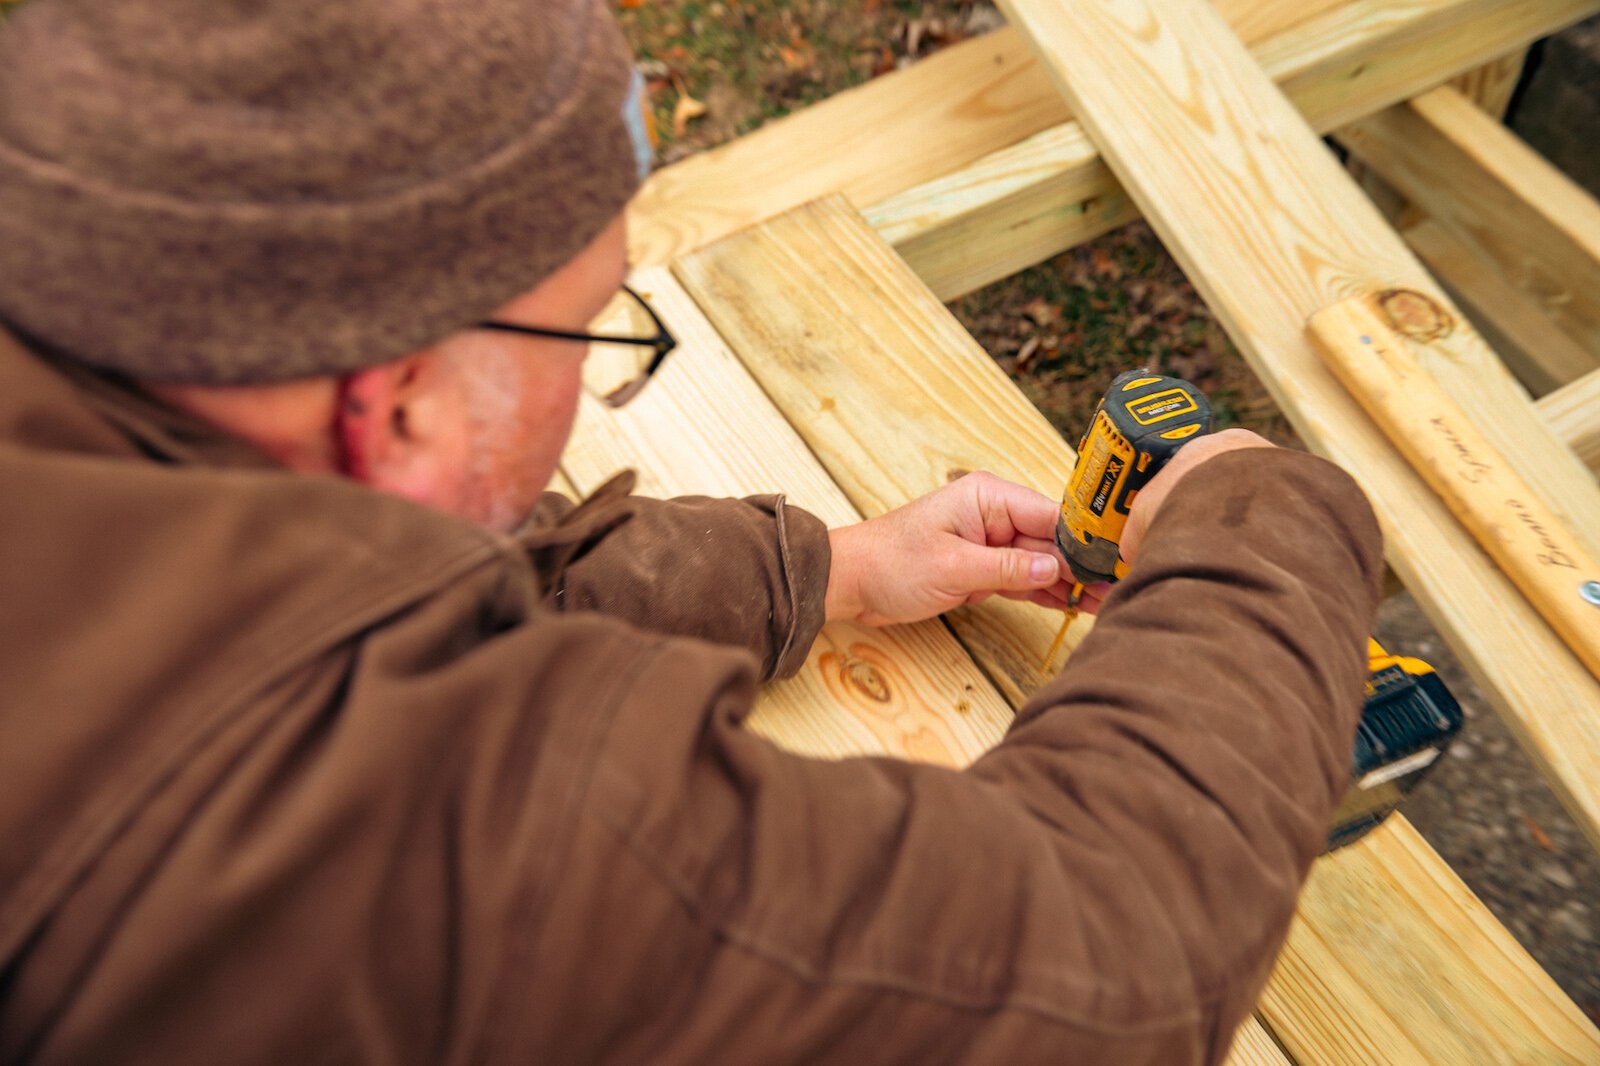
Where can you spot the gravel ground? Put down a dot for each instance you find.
(1488, 812)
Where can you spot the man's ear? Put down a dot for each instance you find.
(381, 426)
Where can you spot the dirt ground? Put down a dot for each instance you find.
(719, 68)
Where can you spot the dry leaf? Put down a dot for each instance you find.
(796, 58)
(1540, 837)
(687, 110)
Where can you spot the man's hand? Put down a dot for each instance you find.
(959, 544)
(1148, 502)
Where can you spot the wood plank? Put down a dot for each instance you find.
(1472, 994)
(982, 95)
(1021, 204)
(1491, 86)
(1270, 229)
(1532, 346)
(703, 426)
(821, 308)
(1573, 413)
(1499, 198)
(1363, 340)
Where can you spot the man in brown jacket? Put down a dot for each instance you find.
(311, 748)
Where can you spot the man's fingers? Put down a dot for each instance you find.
(981, 569)
(1010, 509)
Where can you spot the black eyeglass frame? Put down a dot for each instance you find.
(662, 343)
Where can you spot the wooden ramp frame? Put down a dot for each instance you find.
(818, 361)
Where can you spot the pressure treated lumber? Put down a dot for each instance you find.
(701, 426)
(981, 96)
(704, 426)
(1573, 413)
(1270, 229)
(891, 395)
(1500, 199)
(1022, 204)
(1362, 340)
(1537, 351)
(1491, 86)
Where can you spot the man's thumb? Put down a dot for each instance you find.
(1016, 570)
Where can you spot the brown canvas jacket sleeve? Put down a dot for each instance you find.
(750, 573)
(1109, 885)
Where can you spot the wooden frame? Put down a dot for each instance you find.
(817, 360)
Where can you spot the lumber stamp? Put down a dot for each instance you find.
(1391, 958)
(1504, 203)
(704, 426)
(1271, 229)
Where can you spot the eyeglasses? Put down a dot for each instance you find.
(660, 344)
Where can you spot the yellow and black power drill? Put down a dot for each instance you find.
(1409, 717)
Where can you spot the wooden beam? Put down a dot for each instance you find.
(1022, 204)
(962, 103)
(1391, 953)
(1271, 229)
(1491, 86)
(1533, 347)
(1500, 199)
(1573, 412)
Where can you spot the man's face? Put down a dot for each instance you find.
(511, 398)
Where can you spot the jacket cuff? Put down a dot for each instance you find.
(805, 557)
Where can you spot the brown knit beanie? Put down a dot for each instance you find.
(243, 191)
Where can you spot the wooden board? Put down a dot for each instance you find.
(820, 309)
(1491, 86)
(1271, 229)
(1532, 346)
(703, 426)
(1363, 341)
(1023, 203)
(1501, 200)
(958, 105)
(1573, 412)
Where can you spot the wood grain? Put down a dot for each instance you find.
(818, 307)
(1491, 86)
(1025, 202)
(1573, 413)
(1501, 200)
(1271, 229)
(1364, 342)
(1533, 347)
(702, 426)
(872, 141)
(1472, 994)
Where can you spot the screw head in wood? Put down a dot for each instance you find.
(1590, 590)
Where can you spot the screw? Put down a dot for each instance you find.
(1590, 590)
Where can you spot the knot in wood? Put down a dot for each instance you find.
(1415, 314)
(865, 679)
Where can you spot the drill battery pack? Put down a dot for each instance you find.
(1407, 723)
